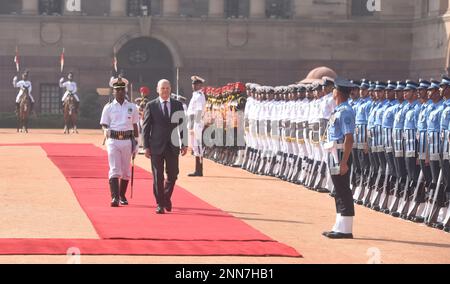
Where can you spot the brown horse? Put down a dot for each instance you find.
(70, 114)
(24, 112)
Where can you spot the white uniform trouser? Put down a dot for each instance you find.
(119, 157)
(18, 98)
(252, 136)
(196, 140)
(74, 95)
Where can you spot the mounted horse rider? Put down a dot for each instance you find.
(71, 89)
(23, 85)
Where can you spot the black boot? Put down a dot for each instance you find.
(17, 108)
(114, 188)
(31, 107)
(123, 192)
(198, 168)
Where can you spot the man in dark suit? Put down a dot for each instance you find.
(164, 127)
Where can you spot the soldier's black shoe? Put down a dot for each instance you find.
(395, 214)
(123, 191)
(447, 229)
(168, 206)
(359, 202)
(115, 202)
(325, 234)
(438, 226)
(160, 210)
(114, 188)
(195, 175)
(323, 190)
(418, 220)
(336, 235)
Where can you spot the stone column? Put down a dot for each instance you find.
(303, 8)
(30, 7)
(216, 8)
(118, 8)
(170, 8)
(257, 8)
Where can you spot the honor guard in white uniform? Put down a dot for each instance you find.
(340, 142)
(195, 112)
(24, 86)
(119, 121)
(326, 108)
(248, 136)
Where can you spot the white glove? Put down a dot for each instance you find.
(106, 132)
(61, 80)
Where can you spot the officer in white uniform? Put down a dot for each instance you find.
(120, 78)
(195, 112)
(70, 86)
(22, 85)
(120, 123)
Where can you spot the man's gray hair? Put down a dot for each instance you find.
(162, 81)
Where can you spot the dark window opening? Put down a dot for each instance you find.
(237, 8)
(279, 9)
(50, 7)
(50, 99)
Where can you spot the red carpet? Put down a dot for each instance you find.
(193, 228)
(143, 247)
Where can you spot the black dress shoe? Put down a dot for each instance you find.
(418, 220)
(325, 234)
(447, 229)
(160, 210)
(115, 202)
(395, 214)
(168, 207)
(123, 201)
(336, 235)
(195, 175)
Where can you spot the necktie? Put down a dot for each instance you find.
(166, 111)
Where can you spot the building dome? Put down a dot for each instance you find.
(318, 73)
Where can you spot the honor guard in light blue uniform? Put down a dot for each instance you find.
(340, 142)
(388, 142)
(371, 141)
(380, 92)
(399, 149)
(434, 130)
(362, 112)
(445, 129)
(355, 176)
(422, 128)
(438, 210)
(411, 115)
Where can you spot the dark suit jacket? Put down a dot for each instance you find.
(158, 131)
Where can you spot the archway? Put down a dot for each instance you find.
(145, 61)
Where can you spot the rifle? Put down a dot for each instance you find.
(435, 204)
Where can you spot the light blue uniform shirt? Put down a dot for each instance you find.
(342, 122)
(380, 112)
(445, 116)
(411, 115)
(424, 112)
(434, 117)
(362, 111)
(400, 115)
(389, 114)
